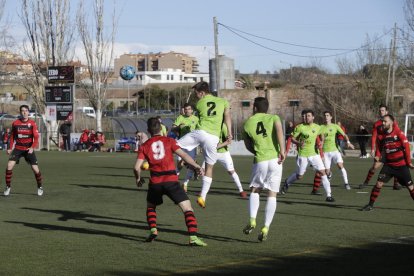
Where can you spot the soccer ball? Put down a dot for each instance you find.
(127, 72)
(145, 166)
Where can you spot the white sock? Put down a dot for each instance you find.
(254, 203)
(237, 181)
(206, 186)
(270, 210)
(291, 179)
(344, 176)
(326, 185)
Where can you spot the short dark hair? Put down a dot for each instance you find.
(187, 105)
(390, 116)
(261, 104)
(327, 112)
(154, 125)
(310, 111)
(383, 105)
(202, 86)
(23, 106)
(304, 111)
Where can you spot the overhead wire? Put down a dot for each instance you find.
(346, 51)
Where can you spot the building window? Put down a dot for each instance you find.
(168, 77)
(181, 77)
(245, 103)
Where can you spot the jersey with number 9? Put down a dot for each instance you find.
(158, 151)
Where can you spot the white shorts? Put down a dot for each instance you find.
(267, 175)
(206, 141)
(315, 161)
(333, 156)
(224, 158)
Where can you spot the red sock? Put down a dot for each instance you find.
(152, 218)
(369, 176)
(317, 181)
(191, 222)
(9, 174)
(374, 194)
(38, 177)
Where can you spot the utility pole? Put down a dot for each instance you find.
(393, 68)
(216, 54)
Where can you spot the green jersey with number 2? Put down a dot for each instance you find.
(211, 114)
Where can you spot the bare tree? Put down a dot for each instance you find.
(6, 40)
(99, 51)
(49, 41)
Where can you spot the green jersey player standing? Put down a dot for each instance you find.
(305, 135)
(263, 136)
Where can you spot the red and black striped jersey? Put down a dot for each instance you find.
(24, 134)
(377, 129)
(394, 148)
(158, 151)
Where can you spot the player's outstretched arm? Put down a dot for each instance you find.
(190, 161)
(227, 121)
(137, 172)
(281, 140)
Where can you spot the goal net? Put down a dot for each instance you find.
(409, 131)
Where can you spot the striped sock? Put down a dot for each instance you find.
(152, 218)
(316, 181)
(369, 176)
(374, 194)
(38, 177)
(191, 222)
(9, 174)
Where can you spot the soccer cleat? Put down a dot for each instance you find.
(196, 241)
(40, 191)
(201, 202)
(329, 176)
(153, 235)
(348, 187)
(243, 194)
(363, 185)
(397, 187)
(368, 208)
(7, 191)
(285, 188)
(249, 227)
(263, 234)
(315, 192)
(330, 199)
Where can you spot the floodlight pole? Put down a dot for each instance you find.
(216, 55)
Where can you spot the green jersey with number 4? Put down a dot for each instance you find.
(260, 129)
(307, 134)
(211, 114)
(329, 132)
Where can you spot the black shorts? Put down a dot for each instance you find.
(16, 154)
(401, 173)
(171, 189)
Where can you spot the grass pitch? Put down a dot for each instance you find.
(91, 221)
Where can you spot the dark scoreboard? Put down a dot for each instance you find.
(58, 94)
(59, 74)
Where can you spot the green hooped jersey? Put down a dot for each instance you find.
(307, 134)
(188, 124)
(329, 132)
(211, 114)
(260, 128)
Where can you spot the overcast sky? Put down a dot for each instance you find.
(187, 26)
